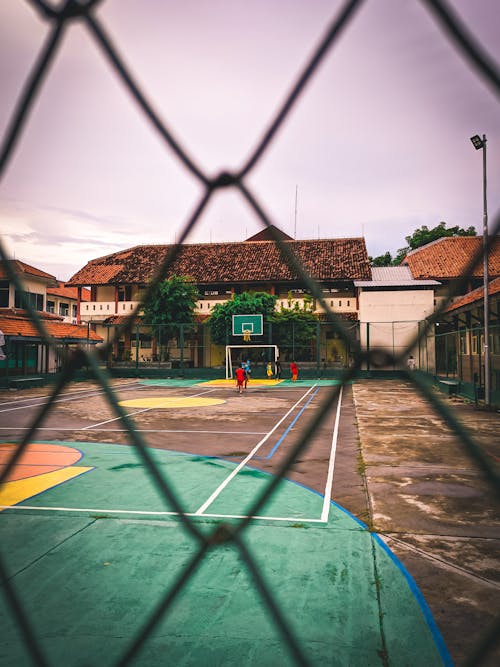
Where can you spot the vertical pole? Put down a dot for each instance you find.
(318, 348)
(485, 280)
(368, 346)
(137, 346)
(446, 354)
(181, 337)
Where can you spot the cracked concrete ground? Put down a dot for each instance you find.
(431, 503)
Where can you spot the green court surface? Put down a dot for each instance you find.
(92, 558)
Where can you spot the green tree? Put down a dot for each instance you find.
(246, 303)
(171, 303)
(381, 260)
(294, 326)
(424, 235)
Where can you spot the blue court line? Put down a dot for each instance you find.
(271, 453)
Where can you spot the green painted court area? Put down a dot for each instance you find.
(92, 558)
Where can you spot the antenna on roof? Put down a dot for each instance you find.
(295, 223)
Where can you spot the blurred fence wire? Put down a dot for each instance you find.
(60, 19)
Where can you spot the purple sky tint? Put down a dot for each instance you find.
(377, 146)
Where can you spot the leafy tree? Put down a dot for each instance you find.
(381, 260)
(294, 326)
(424, 235)
(171, 303)
(246, 303)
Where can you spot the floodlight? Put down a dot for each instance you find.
(477, 142)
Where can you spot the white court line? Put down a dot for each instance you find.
(69, 399)
(331, 463)
(222, 486)
(151, 513)
(126, 430)
(73, 394)
(138, 412)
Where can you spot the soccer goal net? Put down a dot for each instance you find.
(237, 354)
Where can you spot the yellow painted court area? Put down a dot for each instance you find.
(171, 402)
(12, 493)
(253, 382)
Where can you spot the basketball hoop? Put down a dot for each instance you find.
(246, 335)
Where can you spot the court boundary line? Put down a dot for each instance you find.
(200, 512)
(331, 463)
(289, 427)
(124, 430)
(249, 456)
(156, 513)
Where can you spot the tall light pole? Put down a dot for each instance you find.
(479, 143)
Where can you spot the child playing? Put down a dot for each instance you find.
(294, 370)
(240, 379)
(269, 370)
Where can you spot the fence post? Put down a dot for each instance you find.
(137, 346)
(368, 346)
(181, 340)
(318, 348)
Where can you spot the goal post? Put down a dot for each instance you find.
(229, 355)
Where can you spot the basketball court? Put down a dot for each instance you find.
(92, 545)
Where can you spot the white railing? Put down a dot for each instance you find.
(102, 309)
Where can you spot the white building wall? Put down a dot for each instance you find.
(389, 319)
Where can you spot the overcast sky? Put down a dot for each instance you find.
(377, 146)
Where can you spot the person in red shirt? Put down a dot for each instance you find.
(294, 370)
(240, 379)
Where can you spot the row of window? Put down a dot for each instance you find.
(477, 343)
(35, 300)
(284, 304)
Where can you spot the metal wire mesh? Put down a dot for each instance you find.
(60, 20)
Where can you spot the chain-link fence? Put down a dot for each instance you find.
(340, 344)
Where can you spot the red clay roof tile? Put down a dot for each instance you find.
(447, 258)
(22, 267)
(246, 262)
(474, 296)
(69, 292)
(23, 326)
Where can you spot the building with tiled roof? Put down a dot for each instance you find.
(63, 300)
(448, 258)
(117, 281)
(26, 272)
(56, 305)
(20, 326)
(475, 298)
(461, 324)
(256, 263)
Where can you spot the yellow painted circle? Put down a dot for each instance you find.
(171, 402)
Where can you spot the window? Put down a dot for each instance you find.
(4, 293)
(51, 307)
(463, 343)
(474, 344)
(63, 309)
(74, 310)
(125, 293)
(35, 300)
(495, 343)
(145, 341)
